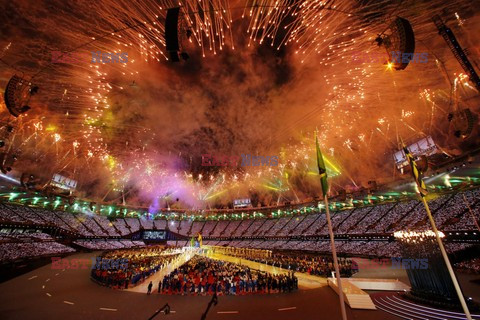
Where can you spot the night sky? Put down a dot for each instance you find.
(142, 126)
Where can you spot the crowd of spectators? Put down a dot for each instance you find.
(28, 244)
(146, 223)
(122, 226)
(106, 225)
(278, 226)
(20, 213)
(182, 227)
(374, 215)
(103, 244)
(178, 243)
(308, 225)
(92, 226)
(160, 224)
(196, 227)
(470, 266)
(455, 206)
(74, 222)
(450, 212)
(133, 224)
(355, 216)
(363, 248)
(12, 251)
(208, 228)
(219, 228)
(202, 275)
(254, 226)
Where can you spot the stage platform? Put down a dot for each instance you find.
(355, 297)
(353, 288)
(379, 284)
(158, 276)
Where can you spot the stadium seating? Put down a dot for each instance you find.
(450, 212)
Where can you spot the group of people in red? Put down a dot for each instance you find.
(203, 276)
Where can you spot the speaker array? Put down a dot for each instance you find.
(171, 33)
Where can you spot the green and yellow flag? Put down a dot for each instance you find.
(192, 242)
(199, 239)
(417, 174)
(322, 170)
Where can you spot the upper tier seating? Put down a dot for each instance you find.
(450, 213)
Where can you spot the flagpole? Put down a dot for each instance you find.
(447, 261)
(322, 171)
(335, 261)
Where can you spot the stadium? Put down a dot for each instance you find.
(243, 159)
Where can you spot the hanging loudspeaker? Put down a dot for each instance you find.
(171, 33)
(17, 94)
(10, 93)
(400, 43)
(463, 122)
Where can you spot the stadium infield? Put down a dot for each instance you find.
(45, 293)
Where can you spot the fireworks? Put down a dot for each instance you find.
(142, 124)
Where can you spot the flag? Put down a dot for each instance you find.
(322, 170)
(417, 174)
(199, 239)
